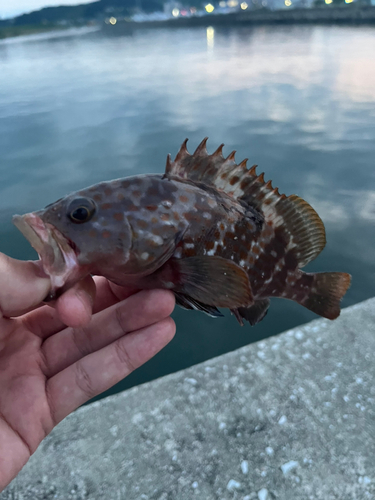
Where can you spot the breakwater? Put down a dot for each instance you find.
(288, 418)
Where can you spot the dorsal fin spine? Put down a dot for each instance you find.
(218, 152)
(182, 153)
(260, 178)
(168, 166)
(201, 149)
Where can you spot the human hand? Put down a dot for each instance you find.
(47, 370)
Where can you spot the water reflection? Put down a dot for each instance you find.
(299, 101)
(210, 37)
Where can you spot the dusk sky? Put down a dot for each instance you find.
(9, 8)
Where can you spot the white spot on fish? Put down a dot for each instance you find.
(166, 203)
(178, 253)
(291, 244)
(211, 252)
(158, 240)
(207, 215)
(145, 255)
(273, 253)
(242, 262)
(189, 245)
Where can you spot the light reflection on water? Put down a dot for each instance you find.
(298, 101)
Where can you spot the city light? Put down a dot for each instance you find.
(288, 3)
(232, 3)
(175, 12)
(209, 8)
(328, 1)
(223, 3)
(113, 20)
(348, 1)
(244, 6)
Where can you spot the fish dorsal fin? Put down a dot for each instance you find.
(302, 223)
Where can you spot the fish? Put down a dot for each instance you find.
(212, 231)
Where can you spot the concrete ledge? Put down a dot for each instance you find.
(289, 418)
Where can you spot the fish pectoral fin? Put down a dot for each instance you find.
(190, 303)
(213, 281)
(252, 314)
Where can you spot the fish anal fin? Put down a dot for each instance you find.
(253, 314)
(213, 281)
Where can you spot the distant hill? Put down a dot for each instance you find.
(81, 14)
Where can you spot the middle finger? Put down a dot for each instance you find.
(73, 308)
(138, 311)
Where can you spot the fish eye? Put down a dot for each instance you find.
(81, 210)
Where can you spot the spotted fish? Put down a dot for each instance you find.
(210, 230)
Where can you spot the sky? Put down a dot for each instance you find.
(10, 8)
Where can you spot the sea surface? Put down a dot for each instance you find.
(80, 107)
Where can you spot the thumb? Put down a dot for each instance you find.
(23, 286)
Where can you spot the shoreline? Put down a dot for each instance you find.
(15, 31)
(346, 15)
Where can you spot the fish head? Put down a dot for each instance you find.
(79, 235)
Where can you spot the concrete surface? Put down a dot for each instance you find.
(289, 418)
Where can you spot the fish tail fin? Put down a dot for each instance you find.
(326, 292)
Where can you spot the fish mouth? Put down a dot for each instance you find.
(58, 257)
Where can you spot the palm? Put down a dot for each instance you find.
(47, 370)
(24, 404)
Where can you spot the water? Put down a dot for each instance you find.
(299, 101)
